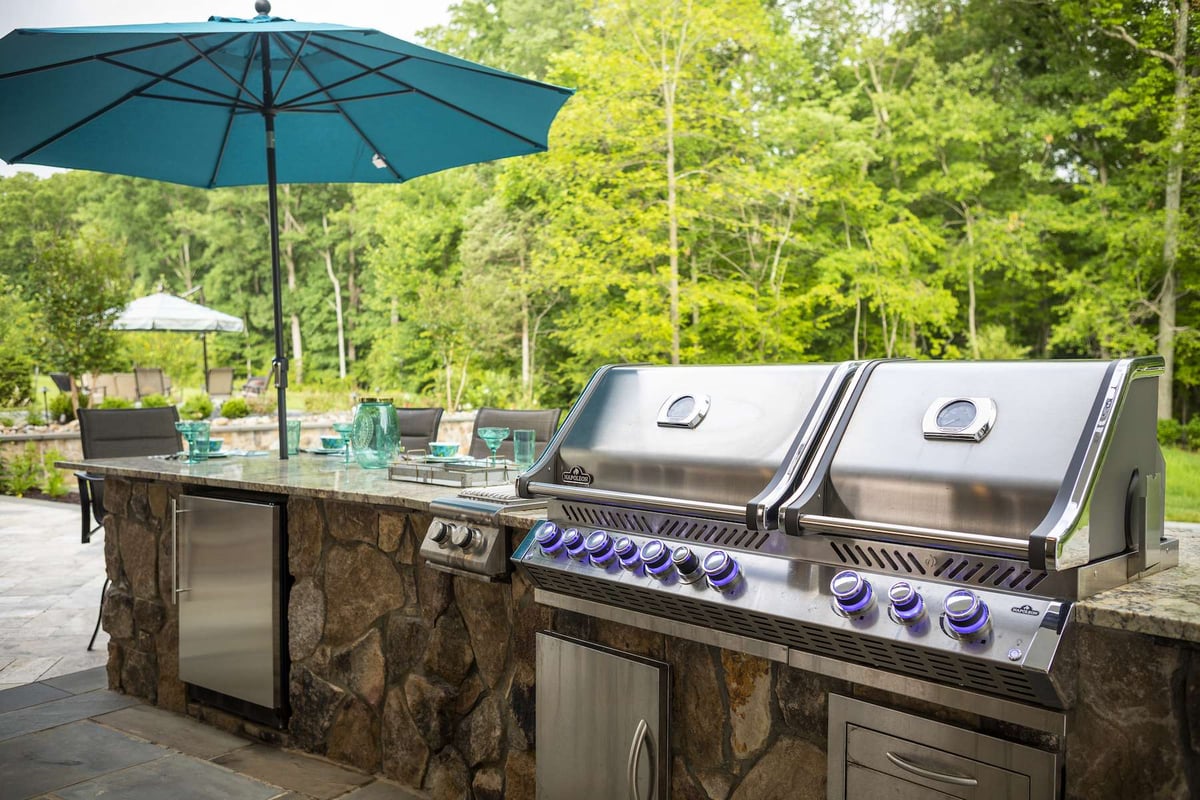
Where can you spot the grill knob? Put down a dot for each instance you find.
(549, 538)
(687, 564)
(908, 607)
(465, 537)
(574, 542)
(599, 546)
(439, 531)
(722, 571)
(851, 592)
(967, 616)
(627, 553)
(657, 557)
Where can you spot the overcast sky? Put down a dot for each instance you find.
(402, 18)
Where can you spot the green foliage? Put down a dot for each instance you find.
(155, 401)
(24, 472)
(265, 403)
(116, 402)
(55, 479)
(34, 418)
(18, 323)
(1191, 433)
(198, 406)
(6, 421)
(235, 408)
(1170, 432)
(60, 408)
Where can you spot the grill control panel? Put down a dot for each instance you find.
(979, 638)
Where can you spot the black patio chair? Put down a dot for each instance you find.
(418, 426)
(117, 433)
(543, 422)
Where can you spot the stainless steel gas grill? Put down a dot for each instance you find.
(874, 520)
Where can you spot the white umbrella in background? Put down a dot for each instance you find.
(166, 312)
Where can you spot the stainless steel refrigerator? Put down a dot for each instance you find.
(227, 577)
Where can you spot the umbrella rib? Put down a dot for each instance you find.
(349, 120)
(224, 98)
(99, 112)
(220, 159)
(326, 88)
(459, 109)
(84, 59)
(291, 67)
(240, 84)
(294, 106)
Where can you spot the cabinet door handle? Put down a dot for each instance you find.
(640, 736)
(908, 766)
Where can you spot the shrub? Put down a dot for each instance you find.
(155, 401)
(34, 418)
(196, 407)
(263, 404)
(56, 480)
(116, 402)
(24, 472)
(6, 421)
(60, 408)
(1170, 431)
(235, 408)
(1191, 433)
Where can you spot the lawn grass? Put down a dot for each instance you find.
(1183, 484)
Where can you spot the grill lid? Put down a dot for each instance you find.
(701, 439)
(987, 455)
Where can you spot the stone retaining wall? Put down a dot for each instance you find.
(429, 679)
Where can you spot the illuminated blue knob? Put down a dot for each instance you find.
(599, 546)
(722, 571)
(574, 542)
(687, 564)
(549, 538)
(627, 553)
(657, 557)
(907, 605)
(967, 616)
(851, 592)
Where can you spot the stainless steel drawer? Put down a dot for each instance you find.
(881, 753)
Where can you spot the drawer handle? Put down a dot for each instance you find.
(635, 751)
(908, 766)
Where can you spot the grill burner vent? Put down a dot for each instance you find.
(711, 533)
(950, 567)
(897, 657)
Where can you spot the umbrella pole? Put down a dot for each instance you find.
(204, 347)
(279, 367)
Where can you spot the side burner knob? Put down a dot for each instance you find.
(721, 570)
(851, 592)
(627, 553)
(599, 546)
(908, 607)
(687, 564)
(440, 531)
(549, 538)
(574, 542)
(967, 616)
(465, 537)
(657, 557)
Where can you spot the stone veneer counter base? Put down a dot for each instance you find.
(400, 669)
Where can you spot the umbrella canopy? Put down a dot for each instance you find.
(166, 312)
(232, 102)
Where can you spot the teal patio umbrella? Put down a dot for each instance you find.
(232, 102)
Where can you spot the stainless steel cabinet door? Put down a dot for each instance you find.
(602, 723)
(227, 576)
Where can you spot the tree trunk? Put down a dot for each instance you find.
(337, 299)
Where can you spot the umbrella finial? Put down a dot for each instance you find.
(262, 7)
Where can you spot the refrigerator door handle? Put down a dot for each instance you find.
(175, 590)
(640, 735)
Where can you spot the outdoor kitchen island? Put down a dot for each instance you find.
(430, 678)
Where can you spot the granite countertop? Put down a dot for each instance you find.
(1166, 604)
(303, 475)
